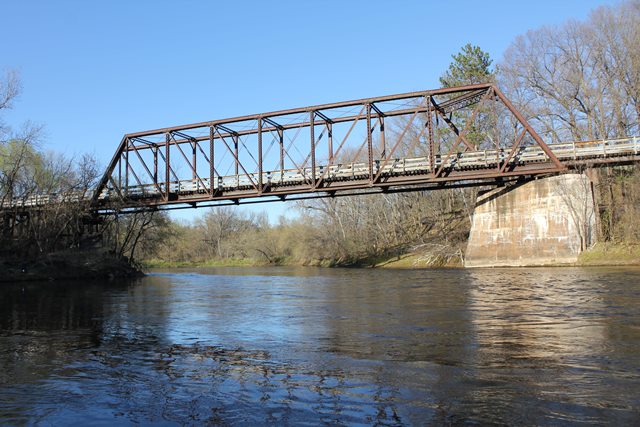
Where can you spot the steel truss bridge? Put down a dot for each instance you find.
(460, 136)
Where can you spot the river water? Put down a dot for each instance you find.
(255, 346)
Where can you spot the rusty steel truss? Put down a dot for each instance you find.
(401, 142)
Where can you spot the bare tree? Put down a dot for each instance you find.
(18, 157)
(9, 91)
(581, 80)
(577, 195)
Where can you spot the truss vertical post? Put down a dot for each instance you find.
(330, 141)
(369, 143)
(383, 141)
(126, 168)
(260, 183)
(155, 165)
(167, 165)
(120, 170)
(312, 118)
(281, 143)
(194, 160)
(235, 137)
(432, 145)
(500, 167)
(211, 162)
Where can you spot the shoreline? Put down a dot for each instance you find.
(600, 255)
(68, 265)
(82, 265)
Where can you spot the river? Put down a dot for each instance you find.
(255, 346)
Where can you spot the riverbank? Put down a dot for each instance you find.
(68, 265)
(423, 257)
(601, 254)
(611, 254)
(222, 262)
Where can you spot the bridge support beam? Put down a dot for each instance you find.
(547, 221)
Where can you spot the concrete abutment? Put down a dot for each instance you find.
(547, 221)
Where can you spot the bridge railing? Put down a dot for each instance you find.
(36, 200)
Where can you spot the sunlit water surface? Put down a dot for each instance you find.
(247, 346)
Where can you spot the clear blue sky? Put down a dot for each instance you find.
(93, 71)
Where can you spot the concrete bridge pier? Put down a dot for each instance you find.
(547, 221)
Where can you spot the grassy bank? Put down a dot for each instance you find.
(422, 258)
(603, 254)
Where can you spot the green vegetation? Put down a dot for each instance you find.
(470, 66)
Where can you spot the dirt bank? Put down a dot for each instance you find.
(65, 265)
